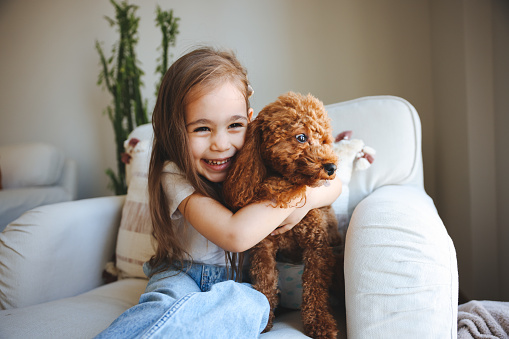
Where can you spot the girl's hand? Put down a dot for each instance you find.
(292, 220)
(316, 197)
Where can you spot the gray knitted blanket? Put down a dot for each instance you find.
(483, 319)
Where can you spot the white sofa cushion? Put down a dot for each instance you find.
(56, 251)
(33, 164)
(400, 268)
(96, 309)
(86, 315)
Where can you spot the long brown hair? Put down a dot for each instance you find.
(196, 72)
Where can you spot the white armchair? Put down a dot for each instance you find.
(33, 174)
(400, 266)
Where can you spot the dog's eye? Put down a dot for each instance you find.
(301, 138)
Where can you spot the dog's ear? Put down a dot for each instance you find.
(247, 171)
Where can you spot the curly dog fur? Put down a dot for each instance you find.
(288, 147)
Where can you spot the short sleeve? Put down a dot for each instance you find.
(176, 187)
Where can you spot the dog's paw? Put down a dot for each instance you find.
(270, 323)
(322, 334)
(323, 327)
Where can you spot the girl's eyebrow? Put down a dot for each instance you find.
(199, 122)
(208, 122)
(238, 117)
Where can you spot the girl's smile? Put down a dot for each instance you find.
(216, 162)
(217, 165)
(216, 124)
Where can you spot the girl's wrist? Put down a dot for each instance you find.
(324, 194)
(311, 198)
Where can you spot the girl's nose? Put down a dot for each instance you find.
(220, 142)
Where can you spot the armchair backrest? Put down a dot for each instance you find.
(30, 164)
(37, 164)
(392, 127)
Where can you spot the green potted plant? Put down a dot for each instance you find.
(121, 76)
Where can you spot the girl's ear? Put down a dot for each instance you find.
(250, 115)
(247, 170)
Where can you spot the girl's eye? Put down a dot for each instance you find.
(236, 125)
(302, 138)
(201, 129)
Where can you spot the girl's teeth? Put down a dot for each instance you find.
(212, 162)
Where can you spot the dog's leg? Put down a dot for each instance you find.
(264, 273)
(317, 278)
(337, 242)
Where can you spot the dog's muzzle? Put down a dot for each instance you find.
(329, 168)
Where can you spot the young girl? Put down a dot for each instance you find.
(200, 122)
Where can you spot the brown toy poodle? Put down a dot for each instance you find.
(288, 147)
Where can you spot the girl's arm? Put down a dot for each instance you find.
(238, 232)
(324, 195)
(316, 197)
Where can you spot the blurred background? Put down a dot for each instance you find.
(449, 58)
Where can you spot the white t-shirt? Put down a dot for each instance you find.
(177, 188)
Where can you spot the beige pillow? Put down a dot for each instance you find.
(134, 242)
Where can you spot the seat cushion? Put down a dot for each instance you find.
(83, 316)
(86, 315)
(288, 325)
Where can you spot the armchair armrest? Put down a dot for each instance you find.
(401, 276)
(57, 251)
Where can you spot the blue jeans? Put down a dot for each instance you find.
(198, 303)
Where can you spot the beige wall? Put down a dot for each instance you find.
(469, 57)
(448, 58)
(337, 50)
(501, 110)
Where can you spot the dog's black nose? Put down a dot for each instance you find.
(329, 168)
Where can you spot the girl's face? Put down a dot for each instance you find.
(216, 126)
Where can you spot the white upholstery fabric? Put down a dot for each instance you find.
(57, 251)
(289, 326)
(34, 175)
(400, 268)
(83, 316)
(392, 127)
(34, 164)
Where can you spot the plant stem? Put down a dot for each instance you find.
(121, 76)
